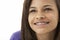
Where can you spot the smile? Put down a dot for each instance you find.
(41, 23)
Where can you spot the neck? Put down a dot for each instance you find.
(46, 36)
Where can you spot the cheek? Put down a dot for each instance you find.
(30, 18)
(54, 19)
(52, 16)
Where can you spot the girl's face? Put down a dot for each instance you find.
(43, 16)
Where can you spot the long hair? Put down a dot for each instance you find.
(26, 32)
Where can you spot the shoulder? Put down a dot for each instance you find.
(16, 36)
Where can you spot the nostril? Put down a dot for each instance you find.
(41, 17)
(36, 18)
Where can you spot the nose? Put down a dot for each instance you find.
(40, 16)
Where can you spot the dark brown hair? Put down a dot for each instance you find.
(26, 32)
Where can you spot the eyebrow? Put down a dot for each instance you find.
(47, 6)
(43, 6)
(32, 7)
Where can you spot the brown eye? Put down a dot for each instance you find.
(32, 11)
(47, 9)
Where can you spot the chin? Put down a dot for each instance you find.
(42, 31)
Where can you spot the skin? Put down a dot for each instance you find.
(43, 11)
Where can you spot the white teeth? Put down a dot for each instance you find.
(41, 23)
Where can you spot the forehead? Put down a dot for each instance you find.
(42, 2)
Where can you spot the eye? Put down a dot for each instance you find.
(47, 9)
(31, 11)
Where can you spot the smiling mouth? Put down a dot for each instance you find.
(41, 23)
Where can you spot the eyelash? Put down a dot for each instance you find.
(32, 11)
(47, 9)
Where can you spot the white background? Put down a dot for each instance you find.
(10, 17)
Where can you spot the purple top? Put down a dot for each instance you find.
(16, 36)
